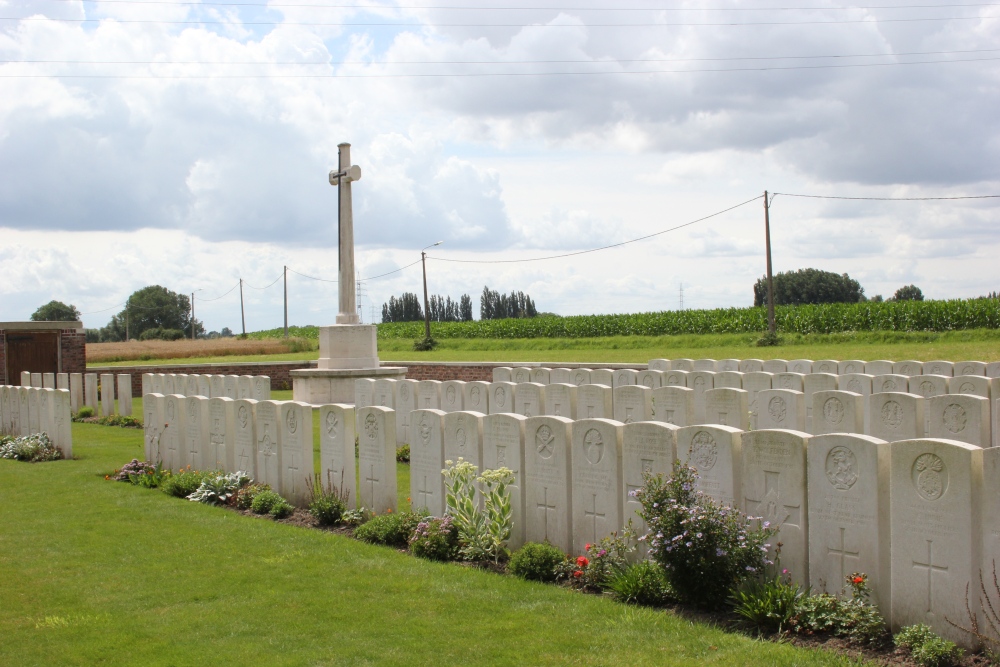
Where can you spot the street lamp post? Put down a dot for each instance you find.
(427, 305)
(192, 313)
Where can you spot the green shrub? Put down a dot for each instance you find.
(768, 603)
(706, 550)
(281, 509)
(603, 561)
(926, 648)
(482, 533)
(355, 517)
(123, 421)
(85, 412)
(855, 618)
(264, 500)
(390, 529)
(643, 583)
(536, 561)
(244, 497)
(219, 489)
(424, 344)
(182, 484)
(327, 503)
(435, 538)
(403, 454)
(31, 448)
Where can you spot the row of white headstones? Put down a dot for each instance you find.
(31, 410)
(962, 408)
(257, 387)
(921, 517)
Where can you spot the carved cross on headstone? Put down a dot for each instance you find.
(546, 508)
(342, 177)
(843, 554)
(594, 514)
(771, 507)
(293, 469)
(931, 569)
(425, 492)
(373, 480)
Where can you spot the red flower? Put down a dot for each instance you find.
(587, 547)
(858, 580)
(578, 574)
(582, 561)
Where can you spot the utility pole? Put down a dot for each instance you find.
(192, 315)
(126, 318)
(427, 305)
(286, 302)
(243, 316)
(771, 327)
(682, 296)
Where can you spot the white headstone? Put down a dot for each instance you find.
(774, 487)
(934, 532)
(700, 382)
(970, 368)
(384, 393)
(203, 385)
(594, 401)
(76, 391)
(848, 487)
(633, 403)
(45, 411)
(268, 450)
(990, 511)
(727, 366)
(452, 395)
(907, 368)
(24, 411)
(810, 385)
(520, 374)
(891, 382)
(650, 379)
(658, 365)
(673, 405)
(25, 378)
(729, 380)
(503, 447)
(35, 410)
(598, 499)
(959, 417)
(261, 388)
(377, 459)
(501, 397)
(364, 390)
(781, 408)
(463, 437)
(674, 379)
(896, 416)
(337, 465)
(547, 491)
(4, 411)
(220, 436)
(793, 381)
(945, 368)
(831, 366)
(529, 399)
(107, 394)
(62, 381)
(152, 421)
(540, 375)
(754, 382)
(705, 365)
(686, 365)
(194, 445)
(580, 376)
(879, 367)
(244, 385)
(775, 366)
(230, 386)
(501, 374)
(217, 386)
(929, 385)
(62, 422)
(805, 366)
(972, 385)
(427, 461)
(716, 453)
(647, 448)
(477, 396)
(623, 377)
(602, 376)
(429, 395)
(48, 380)
(406, 401)
(124, 394)
(836, 411)
(560, 400)
(751, 366)
(147, 384)
(245, 436)
(295, 437)
(728, 407)
(156, 383)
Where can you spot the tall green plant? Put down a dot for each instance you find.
(483, 534)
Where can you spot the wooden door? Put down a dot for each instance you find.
(35, 352)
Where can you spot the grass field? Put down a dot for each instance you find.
(973, 344)
(94, 572)
(144, 350)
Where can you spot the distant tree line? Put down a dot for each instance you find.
(407, 308)
(496, 306)
(810, 286)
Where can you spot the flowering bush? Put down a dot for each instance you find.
(31, 448)
(705, 549)
(140, 473)
(435, 538)
(768, 602)
(604, 560)
(482, 534)
(218, 489)
(245, 495)
(856, 618)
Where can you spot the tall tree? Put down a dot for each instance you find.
(793, 288)
(908, 293)
(56, 311)
(496, 306)
(152, 307)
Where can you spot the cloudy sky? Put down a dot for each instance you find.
(187, 144)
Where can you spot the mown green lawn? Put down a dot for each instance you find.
(94, 572)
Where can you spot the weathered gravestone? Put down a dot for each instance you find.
(217, 386)
(501, 374)
(520, 374)
(700, 382)
(781, 408)
(959, 417)
(452, 396)
(204, 383)
(849, 513)
(686, 365)
(632, 403)
(850, 366)
(244, 385)
(231, 386)
(891, 382)
(859, 383)
(337, 466)
(727, 407)
(245, 436)
(945, 368)
(124, 394)
(673, 405)
(831, 366)
(477, 396)
(674, 378)
(774, 487)
(728, 366)
(384, 393)
(970, 368)
(179, 383)
(76, 391)
(602, 376)
(648, 448)
(705, 365)
(729, 380)
(195, 416)
(219, 436)
(261, 388)
(650, 379)
(597, 499)
(837, 411)
(529, 399)
(907, 368)
(934, 530)
(929, 385)
(156, 383)
(269, 464)
(540, 375)
(878, 367)
(658, 365)
(501, 397)
(594, 401)
(107, 394)
(810, 385)
(560, 400)
(547, 491)
(406, 402)
(364, 390)
(295, 437)
(463, 437)
(751, 366)
(581, 376)
(774, 366)
(788, 380)
(427, 461)
(716, 453)
(561, 376)
(503, 447)
(805, 366)
(377, 459)
(973, 385)
(622, 378)
(429, 394)
(896, 416)
(754, 382)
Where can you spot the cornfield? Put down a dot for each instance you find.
(953, 315)
(186, 349)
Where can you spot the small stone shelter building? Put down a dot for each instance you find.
(41, 347)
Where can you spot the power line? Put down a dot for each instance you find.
(312, 277)
(381, 275)
(607, 247)
(280, 276)
(477, 75)
(787, 194)
(489, 62)
(226, 294)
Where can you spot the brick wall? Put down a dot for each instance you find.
(3, 361)
(73, 345)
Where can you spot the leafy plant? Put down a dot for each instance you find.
(85, 412)
(281, 509)
(140, 473)
(327, 503)
(245, 495)
(218, 489)
(603, 561)
(855, 618)
(643, 583)
(33, 448)
(482, 534)
(403, 454)
(183, 483)
(424, 344)
(536, 561)
(355, 517)
(927, 648)
(769, 603)
(990, 635)
(124, 421)
(393, 529)
(435, 538)
(264, 500)
(706, 550)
